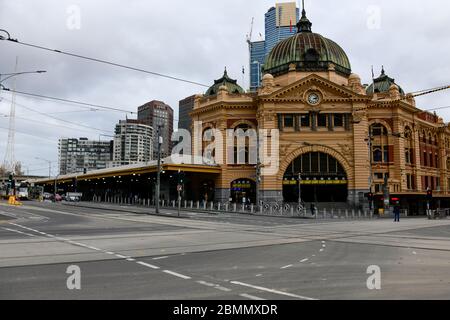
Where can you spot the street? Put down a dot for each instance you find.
(127, 255)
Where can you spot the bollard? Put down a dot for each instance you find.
(204, 205)
(212, 206)
(324, 213)
(339, 213)
(234, 207)
(226, 206)
(173, 203)
(292, 211)
(353, 213)
(365, 214)
(359, 214)
(185, 204)
(218, 206)
(192, 204)
(251, 208)
(198, 205)
(243, 208)
(346, 213)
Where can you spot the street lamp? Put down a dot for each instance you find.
(10, 75)
(49, 165)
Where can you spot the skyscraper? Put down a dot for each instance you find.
(158, 114)
(133, 143)
(280, 23)
(185, 107)
(78, 155)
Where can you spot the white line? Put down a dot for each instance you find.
(159, 258)
(17, 231)
(177, 274)
(321, 250)
(244, 295)
(271, 290)
(147, 265)
(109, 252)
(131, 259)
(288, 266)
(304, 260)
(206, 283)
(222, 288)
(121, 256)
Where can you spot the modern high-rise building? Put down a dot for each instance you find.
(157, 114)
(79, 155)
(133, 143)
(185, 107)
(280, 24)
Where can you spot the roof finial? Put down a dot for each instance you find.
(304, 25)
(382, 71)
(225, 73)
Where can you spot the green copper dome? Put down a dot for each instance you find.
(382, 84)
(308, 51)
(230, 84)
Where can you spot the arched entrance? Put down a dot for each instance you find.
(315, 177)
(243, 190)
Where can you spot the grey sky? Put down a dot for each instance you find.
(194, 40)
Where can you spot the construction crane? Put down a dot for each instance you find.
(250, 34)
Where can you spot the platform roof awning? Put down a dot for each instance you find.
(129, 170)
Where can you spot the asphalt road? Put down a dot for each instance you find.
(129, 255)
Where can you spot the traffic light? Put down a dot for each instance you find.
(429, 195)
(370, 196)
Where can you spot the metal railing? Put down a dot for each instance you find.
(275, 209)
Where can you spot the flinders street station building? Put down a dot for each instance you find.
(339, 140)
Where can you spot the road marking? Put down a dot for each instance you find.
(159, 258)
(259, 275)
(321, 250)
(244, 295)
(121, 256)
(286, 267)
(206, 283)
(17, 231)
(271, 290)
(147, 265)
(131, 259)
(304, 260)
(109, 252)
(177, 274)
(414, 253)
(324, 246)
(222, 288)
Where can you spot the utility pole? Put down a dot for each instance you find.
(258, 169)
(299, 188)
(369, 143)
(158, 173)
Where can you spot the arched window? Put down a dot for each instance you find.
(242, 153)
(380, 143)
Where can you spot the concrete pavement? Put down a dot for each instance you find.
(124, 255)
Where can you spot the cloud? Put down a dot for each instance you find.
(193, 40)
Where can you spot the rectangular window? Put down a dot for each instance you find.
(425, 159)
(288, 121)
(322, 120)
(305, 121)
(338, 120)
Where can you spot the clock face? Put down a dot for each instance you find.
(313, 98)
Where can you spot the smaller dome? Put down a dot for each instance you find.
(229, 85)
(268, 76)
(383, 84)
(354, 76)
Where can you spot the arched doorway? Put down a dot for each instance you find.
(315, 177)
(243, 190)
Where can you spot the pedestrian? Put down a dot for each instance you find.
(313, 209)
(397, 213)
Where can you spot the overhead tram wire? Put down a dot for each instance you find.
(29, 134)
(67, 100)
(101, 61)
(106, 108)
(58, 119)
